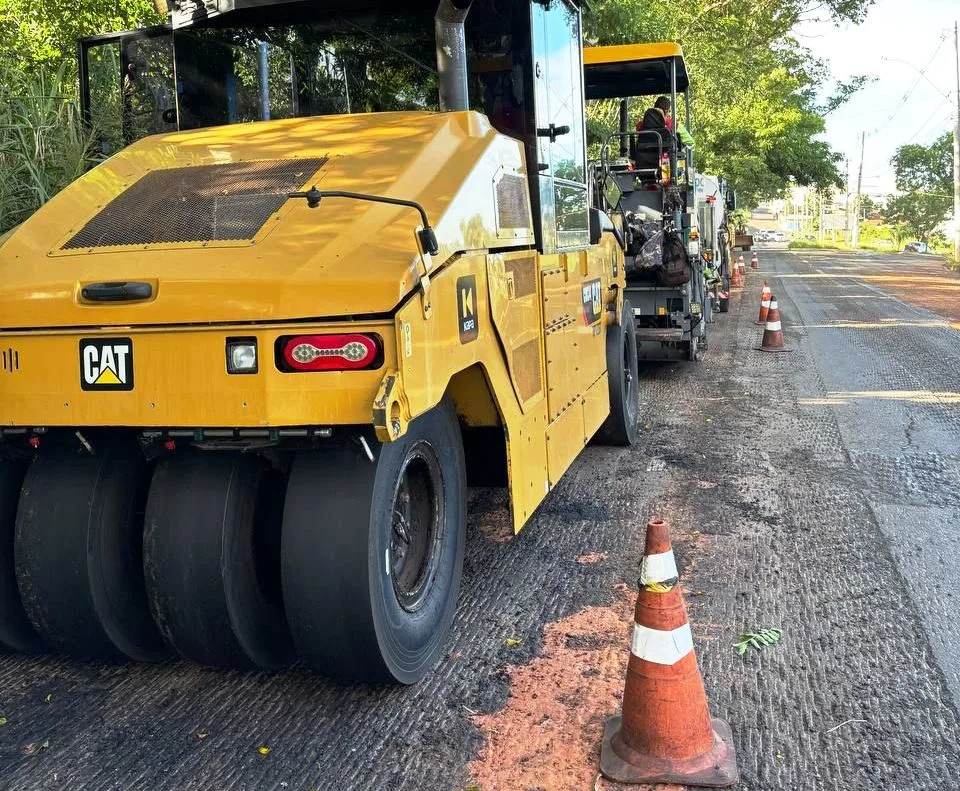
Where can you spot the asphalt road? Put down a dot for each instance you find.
(816, 491)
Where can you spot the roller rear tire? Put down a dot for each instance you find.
(16, 633)
(373, 551)
(211, 560)
(78, 553)
(622, 424)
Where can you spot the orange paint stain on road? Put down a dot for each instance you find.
(548, 734)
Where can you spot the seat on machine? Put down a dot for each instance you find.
(646, 149)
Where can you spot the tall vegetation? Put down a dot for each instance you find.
(43, 144)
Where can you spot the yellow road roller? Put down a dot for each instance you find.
(340, 261)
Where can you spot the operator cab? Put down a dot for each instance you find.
(518, 62)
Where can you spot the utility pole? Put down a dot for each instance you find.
(846, 203)
(820, 223)
(855, 238)
(956, 155)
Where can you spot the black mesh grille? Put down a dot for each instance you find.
(513, 205)
(205, 203)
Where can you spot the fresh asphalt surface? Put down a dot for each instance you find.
(817, 491)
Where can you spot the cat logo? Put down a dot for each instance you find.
(467, 308)
(106, 364)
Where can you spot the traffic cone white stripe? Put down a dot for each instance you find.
(658, 569)
(772, 326)
(661, 647)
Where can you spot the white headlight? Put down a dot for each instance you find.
(242, 357)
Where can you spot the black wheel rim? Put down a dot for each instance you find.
(416, 527)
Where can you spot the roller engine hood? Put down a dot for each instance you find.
(203, 217)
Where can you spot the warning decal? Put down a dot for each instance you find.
(467, 308)
(591, 302)
(106, 364)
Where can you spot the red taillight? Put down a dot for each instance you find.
(348, 352)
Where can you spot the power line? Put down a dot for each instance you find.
(930, 117)
(909, 93)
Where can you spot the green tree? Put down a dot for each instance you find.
(924, 181)
(37, 33)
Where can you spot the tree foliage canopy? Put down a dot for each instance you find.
(924, 179)
(755, 89)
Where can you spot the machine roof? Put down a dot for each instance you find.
(190, 13)
(625, 70)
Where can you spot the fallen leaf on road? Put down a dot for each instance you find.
(513, 642)
(3, 720)
(263, 750)
(48, 698)
(757, 640)
(202, 735)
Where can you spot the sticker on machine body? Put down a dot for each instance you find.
(106, 364)
(467, 308)
(590, 297)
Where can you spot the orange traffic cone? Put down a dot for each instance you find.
(665, 734)
(764, 304)
(754, 261)
(773, 330)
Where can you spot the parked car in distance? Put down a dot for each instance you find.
(779, 236)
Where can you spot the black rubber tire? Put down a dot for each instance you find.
(16, 632)
(623, 422)
(78, 553)
(211, 560)
(338, 583)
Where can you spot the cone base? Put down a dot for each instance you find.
(783, 349)
(716, 769)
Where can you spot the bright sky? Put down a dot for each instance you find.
(914, 31)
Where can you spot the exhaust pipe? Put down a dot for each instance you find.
(452, 54)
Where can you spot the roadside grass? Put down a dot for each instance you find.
(806, 244)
